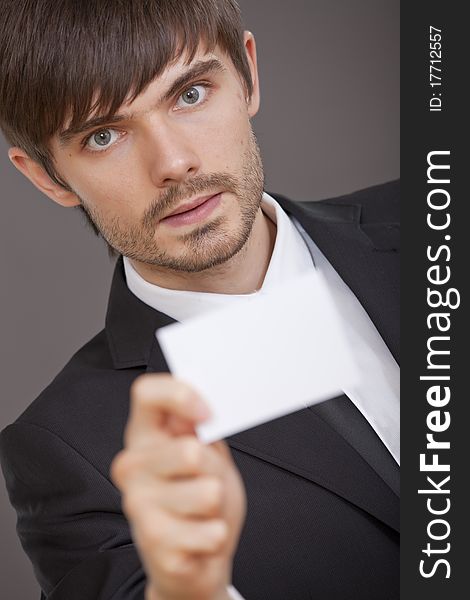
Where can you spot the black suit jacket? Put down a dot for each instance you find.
(323, 508)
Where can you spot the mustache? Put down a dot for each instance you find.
(198, 185)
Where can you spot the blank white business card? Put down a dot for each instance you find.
(272, 354)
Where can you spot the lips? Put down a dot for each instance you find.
(190, 205)
(193, 212)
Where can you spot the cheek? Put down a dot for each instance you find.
(109, 188)
(227, 136)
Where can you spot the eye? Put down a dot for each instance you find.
(194, 95)
(100, 140)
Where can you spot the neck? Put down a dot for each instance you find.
(244, 273)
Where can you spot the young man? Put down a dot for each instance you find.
(139, 113)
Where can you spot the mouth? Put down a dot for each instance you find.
(193, 211)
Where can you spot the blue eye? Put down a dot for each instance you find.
(102, 139)
(194, 95)
(191, 96)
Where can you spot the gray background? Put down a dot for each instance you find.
(328, 124)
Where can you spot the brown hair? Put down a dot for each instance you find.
(62, 59)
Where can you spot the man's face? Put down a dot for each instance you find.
(173, 146)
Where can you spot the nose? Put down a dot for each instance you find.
(170, 154)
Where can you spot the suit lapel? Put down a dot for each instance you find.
(131, 325)
(302, 442)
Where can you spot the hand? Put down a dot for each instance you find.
(184, 500)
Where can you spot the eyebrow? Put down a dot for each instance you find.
(198, 69)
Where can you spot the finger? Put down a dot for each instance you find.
(167, 534)
(198, 536)
(178, 457)
(153, 398)
(195, 497)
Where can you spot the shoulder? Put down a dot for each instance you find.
(85, 405)
(90, 362)
(379, 203)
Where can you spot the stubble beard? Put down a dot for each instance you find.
(206, 246)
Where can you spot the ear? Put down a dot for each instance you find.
(38, 176)
(250, 48)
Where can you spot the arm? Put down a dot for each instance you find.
(70, 522)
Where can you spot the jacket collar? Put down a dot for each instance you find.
(130, 324)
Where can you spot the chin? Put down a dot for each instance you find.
(202, 252)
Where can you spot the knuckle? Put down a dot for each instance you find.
(139, 387)
(217, 535)
(175, 565)
(212, 492)
(153, 535)
(129, 465)
(191, 453)
(121, 466)
(143, 502)
(145, 387)
(130, 505)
